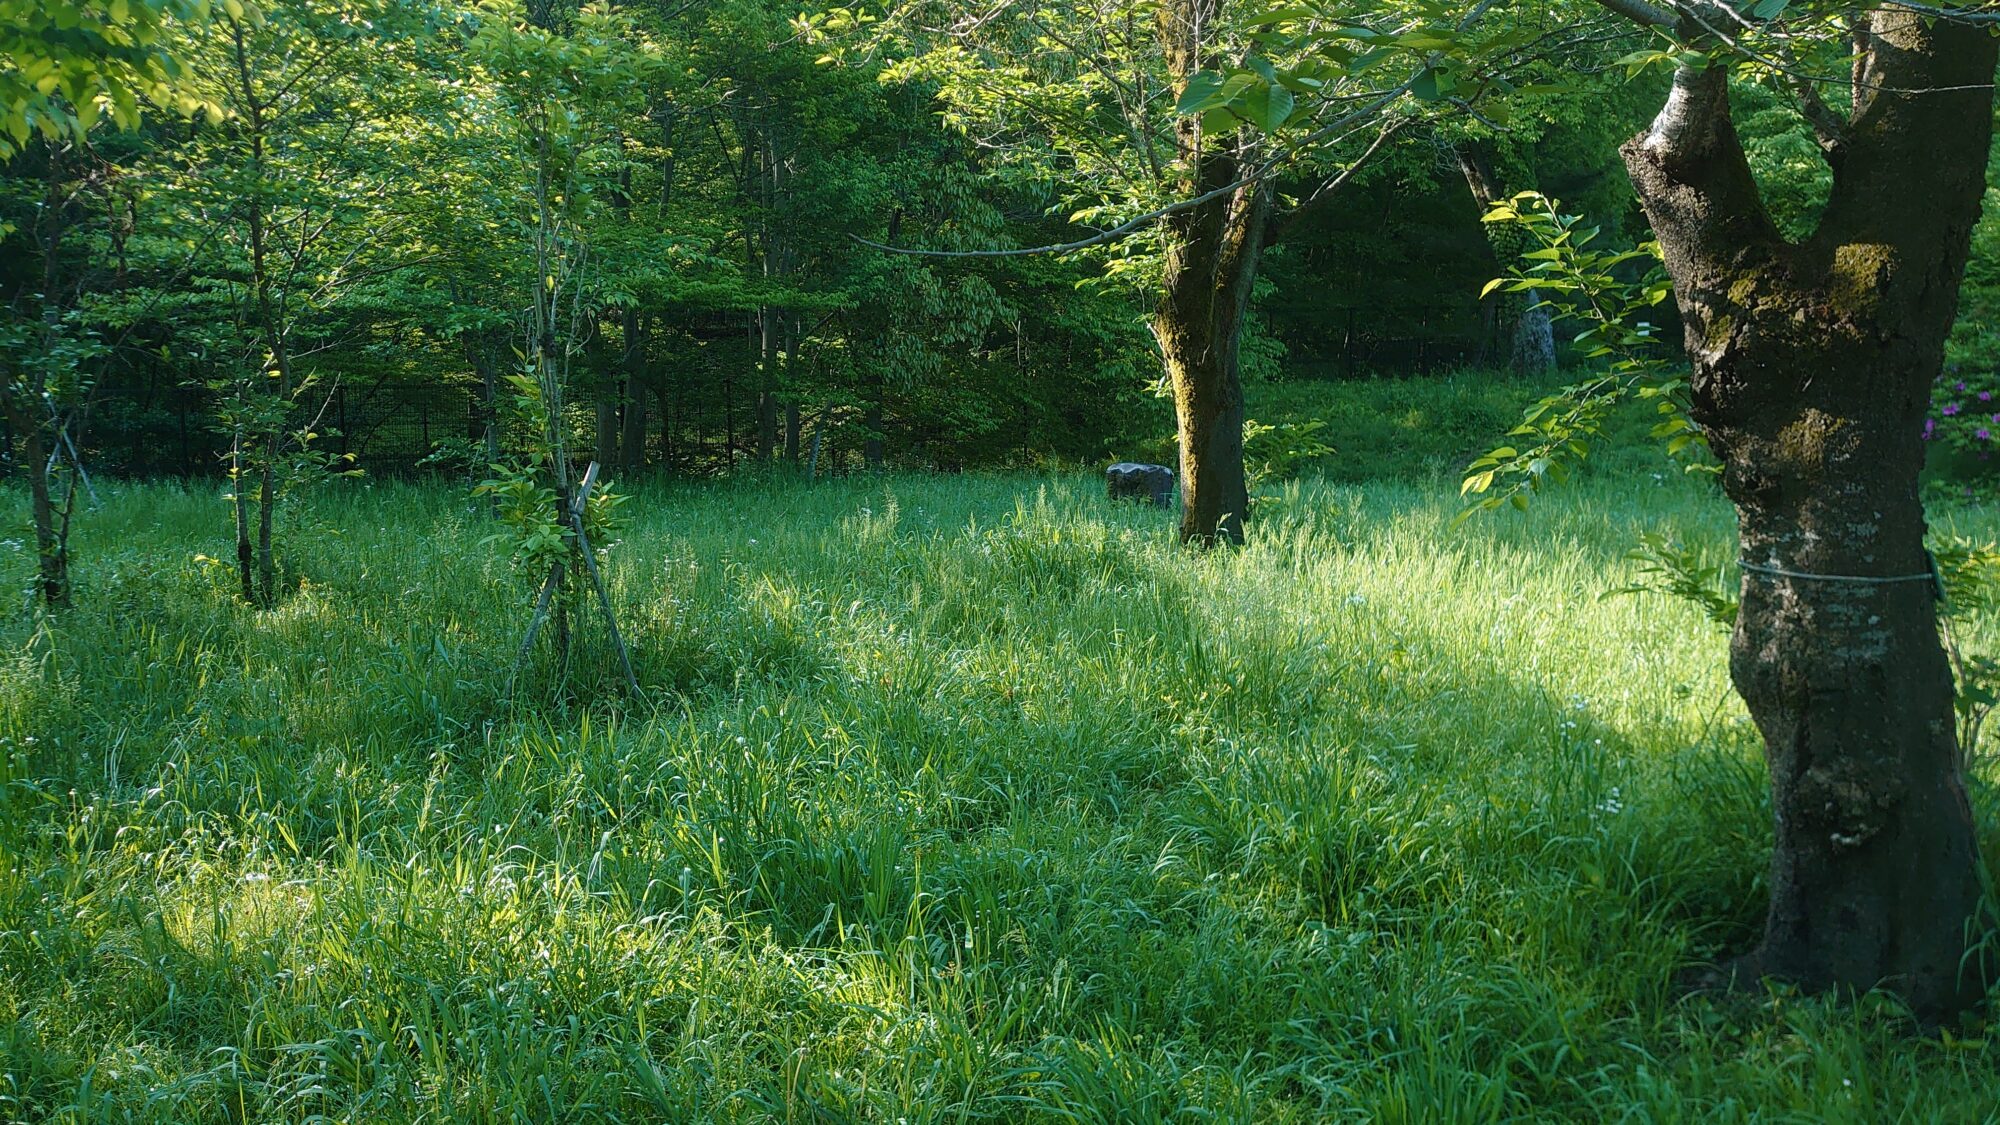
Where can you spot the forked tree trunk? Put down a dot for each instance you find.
(1813, 363)
(1211, 265)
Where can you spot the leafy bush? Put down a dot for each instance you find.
(1276, 451)
(1964, 424)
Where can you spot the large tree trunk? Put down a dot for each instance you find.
(1813, 364)
(1211, 264)
(1199, 325)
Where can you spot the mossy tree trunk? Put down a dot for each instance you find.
(1213, 252)
(1812, 369)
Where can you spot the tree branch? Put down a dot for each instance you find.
(1332, 186)
(1102, 237)
(1642, 12)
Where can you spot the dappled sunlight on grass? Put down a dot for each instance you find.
(951, 797)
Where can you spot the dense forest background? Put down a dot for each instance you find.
(361, 188)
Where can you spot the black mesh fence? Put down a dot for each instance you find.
(144, 428)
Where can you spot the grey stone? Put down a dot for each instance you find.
(1131, 480)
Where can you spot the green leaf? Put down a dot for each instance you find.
(1200, 93)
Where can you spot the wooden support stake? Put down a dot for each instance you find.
(596, 579)
(535, 624)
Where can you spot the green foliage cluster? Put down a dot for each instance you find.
(1594, 291)
(710, 180)
(542, 525)
(71, 63)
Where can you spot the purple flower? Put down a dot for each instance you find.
(1950, 408)
(1930, 428)
(1984, 434)
(1986, 396)
(1961, 384)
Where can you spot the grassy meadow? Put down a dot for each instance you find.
(952, 798)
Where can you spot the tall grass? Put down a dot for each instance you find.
(952, 799)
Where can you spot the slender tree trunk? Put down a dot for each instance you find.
(767, 382)
(728, 420)
(267, 503)
(482, 357)
(51, 554)
(240, 508)
(27, 413)
(273, 335)
(632, 445)
(1813, 364)
(667, 449)
(1533, 341)
(1211, 265)
(790, 360)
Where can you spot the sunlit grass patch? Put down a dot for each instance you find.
(953, 798)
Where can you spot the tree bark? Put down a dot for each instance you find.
(23, 396)
(1812, 368)
(1212, 255)
(632, 419)
(239, 506)
(767, 383)
(51, 552)
(1533, 338)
